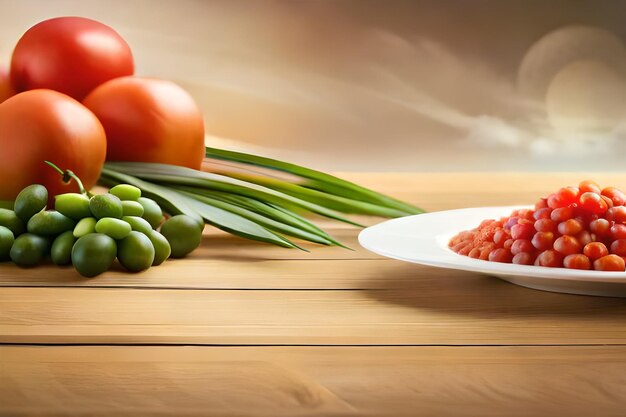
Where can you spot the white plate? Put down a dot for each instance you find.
(423, 239)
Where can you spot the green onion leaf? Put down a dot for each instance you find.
(170, 174)
(342, 204)
(317, 180)
(176, 203)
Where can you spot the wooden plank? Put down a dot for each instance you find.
(295, 381)
(198, 273)
(221, 254)
(219, 245)
(223, 261)
(467, 310)
(227, 262)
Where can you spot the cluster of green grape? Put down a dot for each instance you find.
(91, 232)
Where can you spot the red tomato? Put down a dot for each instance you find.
(6, 90)
(609, 263)
(149, 120)
(72, 55)
(41, 125)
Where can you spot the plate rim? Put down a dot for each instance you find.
(465, 263)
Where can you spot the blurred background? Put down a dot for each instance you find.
(394, 85)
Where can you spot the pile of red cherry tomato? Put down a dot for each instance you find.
(580, 227)
(70, 96)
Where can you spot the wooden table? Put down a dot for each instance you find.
(241, 328)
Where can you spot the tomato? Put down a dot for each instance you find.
(616, 195)
(577, 261)
(609, 263)
(576, 228)
(595, 250)
(561, 214)
(545, 225)
(593, 202)
(72, 55)
(522, 231)
(589, 186)
(6, 90)
(570, 227)
(567, 245)
(500, 255)
(543, 240)
(522, 245)
(43, 125)
(523, 258)
(549, 258)
(149, 120)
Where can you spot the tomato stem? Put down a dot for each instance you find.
(68, 176)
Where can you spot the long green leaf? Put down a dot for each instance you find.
(342, 204)
(175, 203)
(352, 194)
(238, 225)
(277, 213)
(329, 191)
(166, 198)
(170, 174)
(259, 219)
(295, 217)
(267, 210)
(325, 182)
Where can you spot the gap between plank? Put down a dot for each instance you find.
(495, 345)
(138, 287)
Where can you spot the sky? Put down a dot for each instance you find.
(385, 86)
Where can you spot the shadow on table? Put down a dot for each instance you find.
(459, 292)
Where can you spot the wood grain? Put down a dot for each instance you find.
(304, 381)
(225, 261)
(468, 310)
(246, 298)
(218, 274)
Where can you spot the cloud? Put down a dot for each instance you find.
(489, 131)
(435, 83)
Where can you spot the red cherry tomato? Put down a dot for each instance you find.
(41, 125)
(575, 227)
(577, 261)
(543, 240)
(523, 258)
(149, 120)
(500, 255)
(593, 202)
(601, 227)
(589, 186)
(618, 247)
(6, 90)
(549, 258)
(567, 245)
(615, 194)
(595, 250)
(609, 263)
(570, 227)
(72, 55)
